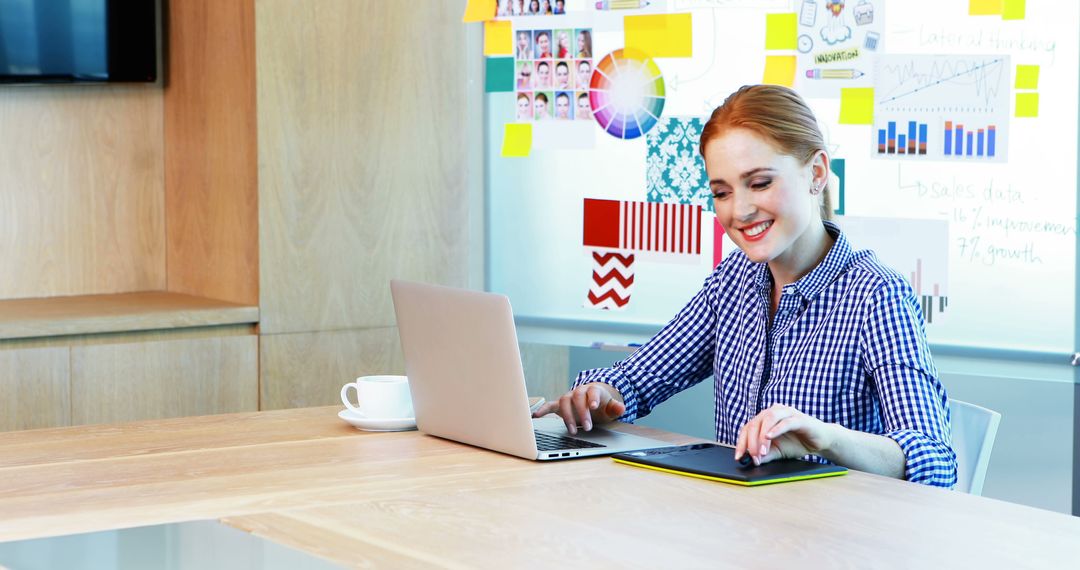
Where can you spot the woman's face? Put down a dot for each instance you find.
(580, 41)
(584, 73)
(763, 198)
(523, 41)
(583, 109)
(562, 107)
(543, 75)
(524, 106)
(540, 108)
(543, 42)
(562, 77)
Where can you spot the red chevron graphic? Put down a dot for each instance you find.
(615, 298)
(613, 274)
(603, 258)
(612, 280)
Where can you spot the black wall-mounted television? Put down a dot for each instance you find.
(79, 41)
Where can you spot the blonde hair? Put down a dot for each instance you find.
(779, 115)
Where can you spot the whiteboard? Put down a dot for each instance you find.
(1002, 237)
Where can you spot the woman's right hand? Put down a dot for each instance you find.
(588, 404)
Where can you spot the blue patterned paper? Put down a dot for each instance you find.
(674, 171)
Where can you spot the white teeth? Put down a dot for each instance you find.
(755, 230)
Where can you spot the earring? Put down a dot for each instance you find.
(815, 189)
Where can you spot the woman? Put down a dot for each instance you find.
(584, 43)
(563, 49)
(524, 45)
(816, 350)
(524, 107)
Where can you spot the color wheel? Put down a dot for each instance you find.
(626, 94)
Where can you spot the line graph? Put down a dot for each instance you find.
(914, 83)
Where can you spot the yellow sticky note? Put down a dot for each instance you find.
(1014, 10)
(1027, 104)
(780, 70)
(781, 31)
(1027, 77)
(659, 35)
(517, 140)
(857, 106)
(498, 38)
(479, 11)
(984, 7)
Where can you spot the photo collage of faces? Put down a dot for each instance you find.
(504, 8)
(552, 71)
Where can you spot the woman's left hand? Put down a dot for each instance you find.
(782, 432)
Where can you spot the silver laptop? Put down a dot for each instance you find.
(467, 384)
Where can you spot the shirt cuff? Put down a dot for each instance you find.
(927, 461)
(614, 377)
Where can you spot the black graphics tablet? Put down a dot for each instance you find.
(717, 463)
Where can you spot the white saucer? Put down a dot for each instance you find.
(377, 424)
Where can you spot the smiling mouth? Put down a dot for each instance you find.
(757, 231)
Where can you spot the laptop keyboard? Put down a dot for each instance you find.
(550, 442)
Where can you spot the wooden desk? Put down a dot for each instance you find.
(306, 479)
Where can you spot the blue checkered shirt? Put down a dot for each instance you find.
(847, 345)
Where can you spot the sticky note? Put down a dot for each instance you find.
(1014, 9)
(659, 35)
(499, 74)
(1027, 104)
(984, 7)
(517, 140)
(1027, 77)
(780, 70)
(781, 31)
(857, 106)
(498, 38)
(479, 11)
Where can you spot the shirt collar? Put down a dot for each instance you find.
(811, 284)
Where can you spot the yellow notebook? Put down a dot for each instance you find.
(717, 463)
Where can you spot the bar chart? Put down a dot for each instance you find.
(973, 142)
(912, 142)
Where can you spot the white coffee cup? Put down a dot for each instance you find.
(379, 397)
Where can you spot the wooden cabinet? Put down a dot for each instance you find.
(159, 242)
(128, 236)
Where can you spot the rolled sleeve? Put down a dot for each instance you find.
(914, 405)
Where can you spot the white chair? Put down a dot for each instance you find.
(973, 431)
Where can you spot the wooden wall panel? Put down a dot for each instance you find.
(81, 190)
(143, 380)
(34, 390)
(365, 156)
(211, 184)
(308, 369)
(547, 369)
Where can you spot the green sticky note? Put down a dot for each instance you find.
(517, 140)
(781, 31)
(1014, 10)
(499, 74)
(1027, 77)
(779, 70)
(857, 106)
(1027, 104)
